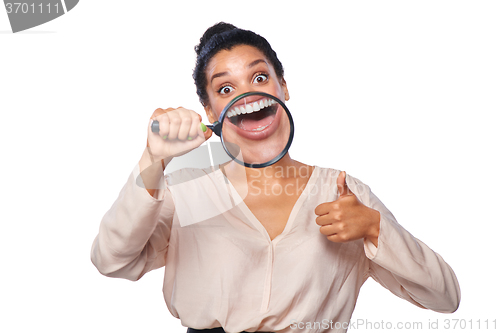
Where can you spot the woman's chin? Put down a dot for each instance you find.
(257, 146)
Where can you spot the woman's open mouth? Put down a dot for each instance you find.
(255, 120)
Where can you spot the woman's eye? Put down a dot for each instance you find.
(260, 78)
(226, 90)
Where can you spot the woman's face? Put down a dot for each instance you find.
(242, 69)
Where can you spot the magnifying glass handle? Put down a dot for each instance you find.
(216, 128)
(155, 126)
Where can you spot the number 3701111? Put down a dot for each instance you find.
(31, 8)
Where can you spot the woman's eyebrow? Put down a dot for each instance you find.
(218, 75)
(250, 65)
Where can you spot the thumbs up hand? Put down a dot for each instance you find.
(347, 219)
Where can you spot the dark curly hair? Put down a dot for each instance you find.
(224, 36)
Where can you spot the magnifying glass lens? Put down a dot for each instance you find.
(257, 129)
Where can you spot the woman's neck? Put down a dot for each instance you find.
(284, 168)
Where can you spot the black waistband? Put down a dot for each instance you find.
(213, 330)
(208, 330)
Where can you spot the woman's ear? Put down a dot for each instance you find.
(210, 114)
(285, 89)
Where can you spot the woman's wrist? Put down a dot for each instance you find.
(151, 171)
(148, 159)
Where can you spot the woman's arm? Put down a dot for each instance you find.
(134, 233)
(404, 264)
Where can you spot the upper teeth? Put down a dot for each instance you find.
(251, 107)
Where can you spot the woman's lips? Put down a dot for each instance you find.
(255, 128)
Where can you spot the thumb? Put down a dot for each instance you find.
(342, 187)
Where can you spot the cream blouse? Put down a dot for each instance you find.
(223, 270)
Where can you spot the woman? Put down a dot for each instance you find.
(291, 254)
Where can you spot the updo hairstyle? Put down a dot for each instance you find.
(224, 36)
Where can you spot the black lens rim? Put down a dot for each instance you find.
(290, 138)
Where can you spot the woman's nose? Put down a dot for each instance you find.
(245, 87)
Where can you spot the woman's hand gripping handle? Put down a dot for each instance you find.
(180, 131)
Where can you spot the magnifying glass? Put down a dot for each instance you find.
(256, 129)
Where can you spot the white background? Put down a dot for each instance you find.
(404, 95)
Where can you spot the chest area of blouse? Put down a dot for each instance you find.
(273, 204)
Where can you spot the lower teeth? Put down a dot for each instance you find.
(259, 129)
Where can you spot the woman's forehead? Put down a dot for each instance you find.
(238, 58)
